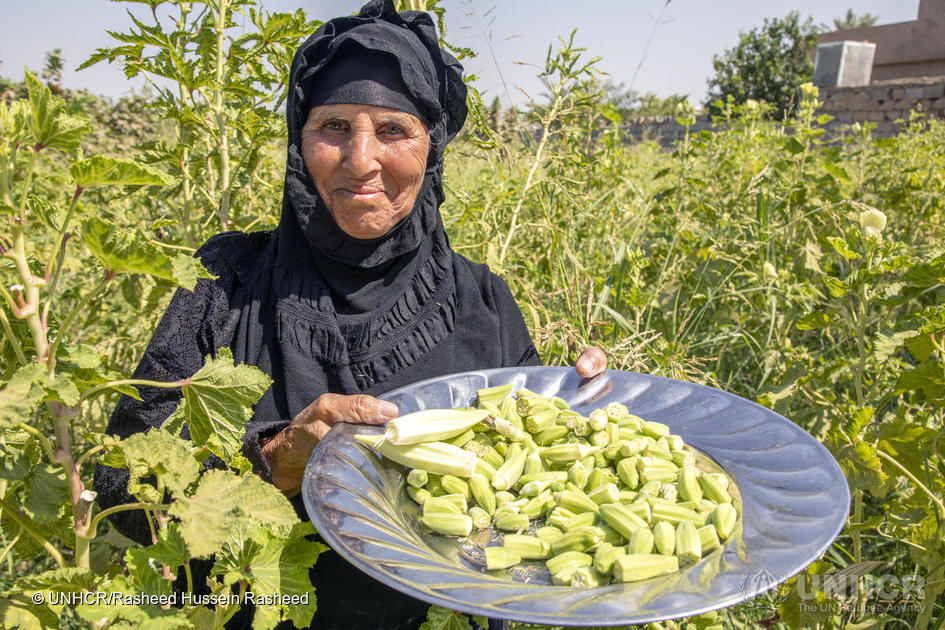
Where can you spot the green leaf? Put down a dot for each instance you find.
(920, 347)
(859, 418)
(275, 564)
(51, 214)
(910, 444)
(21, 395)
(120, 606)
(130, 251)
(104, 171)
(48, 125)
(88, 378)
(222, 502)
(145, 577)
(842, 247)
(48, 494)
(439, 618)
(111, 455)
(123, 251)
(186, 269)
(217, 402)
(837, 288)
(167, 456)
(927, 274)
(63, 389)
(170, 549)
(793, 145)
(812, 256)
(927, 380)
(69, 579)
(884, 346)
(78, 356)
(813, 321)
(19, 611)
(859, 462)
(19, 453)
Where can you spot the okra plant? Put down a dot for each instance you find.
(59, 542)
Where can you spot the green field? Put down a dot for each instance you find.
(752, 258)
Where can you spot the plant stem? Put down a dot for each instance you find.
(31, 286)
(224, 208)
(132, 381)
(536, 163)
(59, 254)
(94, 523)
(13, 541)
(921, 486)
(43, 440)
(81, 500)
(14, 342)
(86, 299)
(29, 529)
(28, 183)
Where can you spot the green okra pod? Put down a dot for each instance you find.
(500, 558)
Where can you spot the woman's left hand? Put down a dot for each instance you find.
(591, 362)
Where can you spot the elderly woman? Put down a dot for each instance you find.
(356, 293)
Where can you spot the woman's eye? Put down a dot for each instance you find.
(394, 130)
(333, 125)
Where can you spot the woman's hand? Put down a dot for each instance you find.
(288, 451)
(591, 362)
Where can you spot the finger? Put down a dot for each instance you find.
(592, 362)
(359, 409)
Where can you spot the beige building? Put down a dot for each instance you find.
(905, 50)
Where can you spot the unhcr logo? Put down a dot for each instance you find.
(755, 583)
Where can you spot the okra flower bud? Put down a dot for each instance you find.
(873, 222)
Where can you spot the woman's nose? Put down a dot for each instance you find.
(361, 154)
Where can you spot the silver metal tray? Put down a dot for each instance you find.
(794, 502)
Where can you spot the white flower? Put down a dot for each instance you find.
(873, 223)
(16, 287)
(770, 271)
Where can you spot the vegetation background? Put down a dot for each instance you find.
(799, 270)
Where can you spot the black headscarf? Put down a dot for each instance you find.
(356, 291)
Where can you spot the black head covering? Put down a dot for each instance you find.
(365, 275)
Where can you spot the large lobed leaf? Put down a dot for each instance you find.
(273, 565)
(217, 403)
(105, 171)
(439, 618)
(224, 502)
(48, 125)
(167, 456)
(130, 251)
(21, 395)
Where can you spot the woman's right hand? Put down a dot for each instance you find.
(288, 451)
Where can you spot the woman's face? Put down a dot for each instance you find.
(367, 163)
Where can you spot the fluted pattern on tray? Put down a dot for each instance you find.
(794, 503)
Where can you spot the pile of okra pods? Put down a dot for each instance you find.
(621, 498)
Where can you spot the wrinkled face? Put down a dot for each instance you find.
(367, 163)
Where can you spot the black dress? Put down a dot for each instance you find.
(200, 322)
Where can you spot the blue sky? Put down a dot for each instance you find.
(516, 33)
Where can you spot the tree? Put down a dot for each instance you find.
(849, 21)
(768, 64)
(52, 70)
(631, 103)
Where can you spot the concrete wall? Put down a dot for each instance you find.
(882, 103)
